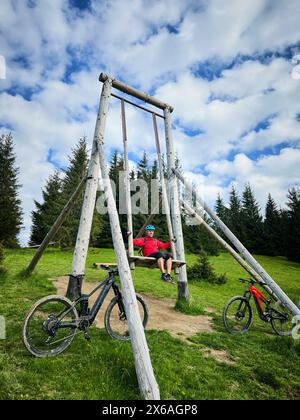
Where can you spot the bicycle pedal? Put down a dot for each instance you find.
(87, 337)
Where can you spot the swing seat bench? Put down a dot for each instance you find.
(149, 262)
(146, 262)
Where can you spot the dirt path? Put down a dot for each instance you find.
(162, 315)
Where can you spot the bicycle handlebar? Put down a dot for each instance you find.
(251, 281)
(108, 268)
(105, 267)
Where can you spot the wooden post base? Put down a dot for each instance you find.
(74, 287)
(183, 291)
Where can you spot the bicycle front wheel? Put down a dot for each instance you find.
(237, 315)
(115, 319)
(50, 326)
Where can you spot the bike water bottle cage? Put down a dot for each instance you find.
(84, 305)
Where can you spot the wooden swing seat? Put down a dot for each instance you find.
(148, 262)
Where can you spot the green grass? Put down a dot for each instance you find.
(191, 307)
(264, 366)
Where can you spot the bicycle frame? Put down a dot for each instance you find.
(259, 299)
(106, 285)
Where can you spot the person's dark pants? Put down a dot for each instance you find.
(158, 255)
(166, 257)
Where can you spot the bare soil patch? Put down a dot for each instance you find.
(220, 355)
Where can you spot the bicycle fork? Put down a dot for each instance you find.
(122, 313)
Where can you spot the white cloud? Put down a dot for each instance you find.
(269, 174)
(259, 91)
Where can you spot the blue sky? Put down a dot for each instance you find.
(226, 67)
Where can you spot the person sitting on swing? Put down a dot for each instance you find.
(150, 248)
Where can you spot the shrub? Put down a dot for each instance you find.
(204, 271)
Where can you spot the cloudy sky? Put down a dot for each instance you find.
(229, 68)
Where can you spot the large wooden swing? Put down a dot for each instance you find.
(98, 169)
(173, 223)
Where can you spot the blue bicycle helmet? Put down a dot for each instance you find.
(150, 227)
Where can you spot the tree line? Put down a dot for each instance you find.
(276, 232)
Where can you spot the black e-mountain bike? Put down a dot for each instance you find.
(52, 323)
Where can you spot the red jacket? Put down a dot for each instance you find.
(150, 245)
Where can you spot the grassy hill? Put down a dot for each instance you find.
(258, 365)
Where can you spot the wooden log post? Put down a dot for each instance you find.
(127, 188)
(277, 291)
(144, 370)
(87, 212)
(56, 226)
(183, 291)
(164, 189)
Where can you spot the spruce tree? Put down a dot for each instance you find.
(154, 170)
(272, 229)
(234, 215)
(293, 228)
(143, 168)
(197, 239)
(46, 212)
(221, 209)
(223, 213)
(283, 231)
(78, 164)
(132, 175)
(252, 222)
(114, 167)
(10, 204)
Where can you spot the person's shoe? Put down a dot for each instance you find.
(164, 277)
(167, 278)
(170, 278)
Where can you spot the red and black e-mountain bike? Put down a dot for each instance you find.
(238, 313)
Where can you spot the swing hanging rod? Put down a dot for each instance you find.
(137, 105)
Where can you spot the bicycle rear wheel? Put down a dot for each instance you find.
(115, 320)
(237, 315)
(50, 326)
(282, 321)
